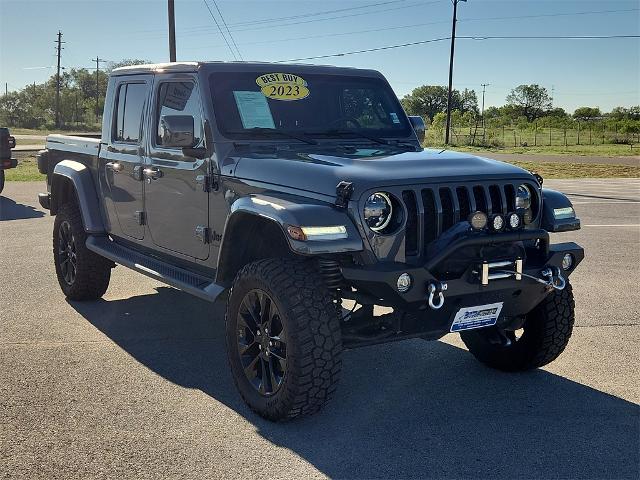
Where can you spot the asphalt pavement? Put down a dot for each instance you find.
(137, 385)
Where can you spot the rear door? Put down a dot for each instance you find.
(176, 201)
(121, 161)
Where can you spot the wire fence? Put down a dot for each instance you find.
(512, 136)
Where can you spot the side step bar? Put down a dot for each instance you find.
(179, 278)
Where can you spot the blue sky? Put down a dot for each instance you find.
(603, 73)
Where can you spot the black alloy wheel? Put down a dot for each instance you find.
(262, 342)
(82, 274)
(67, 253)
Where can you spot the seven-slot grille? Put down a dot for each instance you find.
(433, 210)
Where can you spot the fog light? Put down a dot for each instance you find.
(497, 223)
(514, 221)
(567, 261)
(404, 283)
(478, 220)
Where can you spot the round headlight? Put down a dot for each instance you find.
(378, 211)
(523, 197)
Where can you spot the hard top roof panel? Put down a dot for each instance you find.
(264, 67)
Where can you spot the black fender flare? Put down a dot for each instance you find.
(75, 175)
(558, 214)
(286, 210)
(274, 213)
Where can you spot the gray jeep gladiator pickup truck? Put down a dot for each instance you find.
(302, 194)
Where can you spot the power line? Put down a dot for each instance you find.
(376, 49)
(316, 14)
(416, 25)
(477, 38)
(544, 15)
(547, 37)
(324, 35)
(201, 30)
(228, 31)
(220, 29)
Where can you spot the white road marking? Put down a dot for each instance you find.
(631, 202)
(632, 225)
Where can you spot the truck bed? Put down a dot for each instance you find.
(66, 147)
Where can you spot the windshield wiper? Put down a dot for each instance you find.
(357, 133)
(284, 133)
(373, 138)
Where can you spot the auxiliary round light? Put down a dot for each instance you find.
(497, 223)
(404, 282)
(514, 221)
(478, 220)
(567, 261)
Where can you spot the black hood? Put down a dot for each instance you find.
(320, 172)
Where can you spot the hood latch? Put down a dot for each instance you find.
(344, 190)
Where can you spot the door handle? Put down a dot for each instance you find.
(114, 166)
(152, 172)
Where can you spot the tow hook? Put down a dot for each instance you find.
(436, 288)
(555, 278)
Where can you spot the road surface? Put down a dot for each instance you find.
(137, 385)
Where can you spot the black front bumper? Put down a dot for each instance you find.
(378, 283)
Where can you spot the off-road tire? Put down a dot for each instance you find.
(1, 180)
(547, 330)
(313, 337)
(93, 272)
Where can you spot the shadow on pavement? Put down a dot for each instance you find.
(10, 210)
(410, 409)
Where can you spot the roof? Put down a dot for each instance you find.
(241, 67)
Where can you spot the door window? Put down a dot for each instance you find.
(130, 104)
(178, 100)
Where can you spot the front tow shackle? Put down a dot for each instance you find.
(436, 289)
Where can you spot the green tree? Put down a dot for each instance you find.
(587, 113)
(127, 62)
(530, 100)
(428, 100)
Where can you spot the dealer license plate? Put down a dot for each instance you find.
(476, 317)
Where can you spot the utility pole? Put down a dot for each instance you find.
(172, 31)
(59, 49)
(98, 60)
(453, 46)
(484, 127)
(6, 88)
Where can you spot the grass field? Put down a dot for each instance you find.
(580, 150)
(27, 169)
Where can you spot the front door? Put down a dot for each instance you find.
(176, 201)
(121, 159)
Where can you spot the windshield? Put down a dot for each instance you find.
(255, 104)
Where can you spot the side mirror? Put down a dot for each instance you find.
(177, 131)
(418, 126)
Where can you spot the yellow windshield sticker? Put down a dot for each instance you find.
(283, 86)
